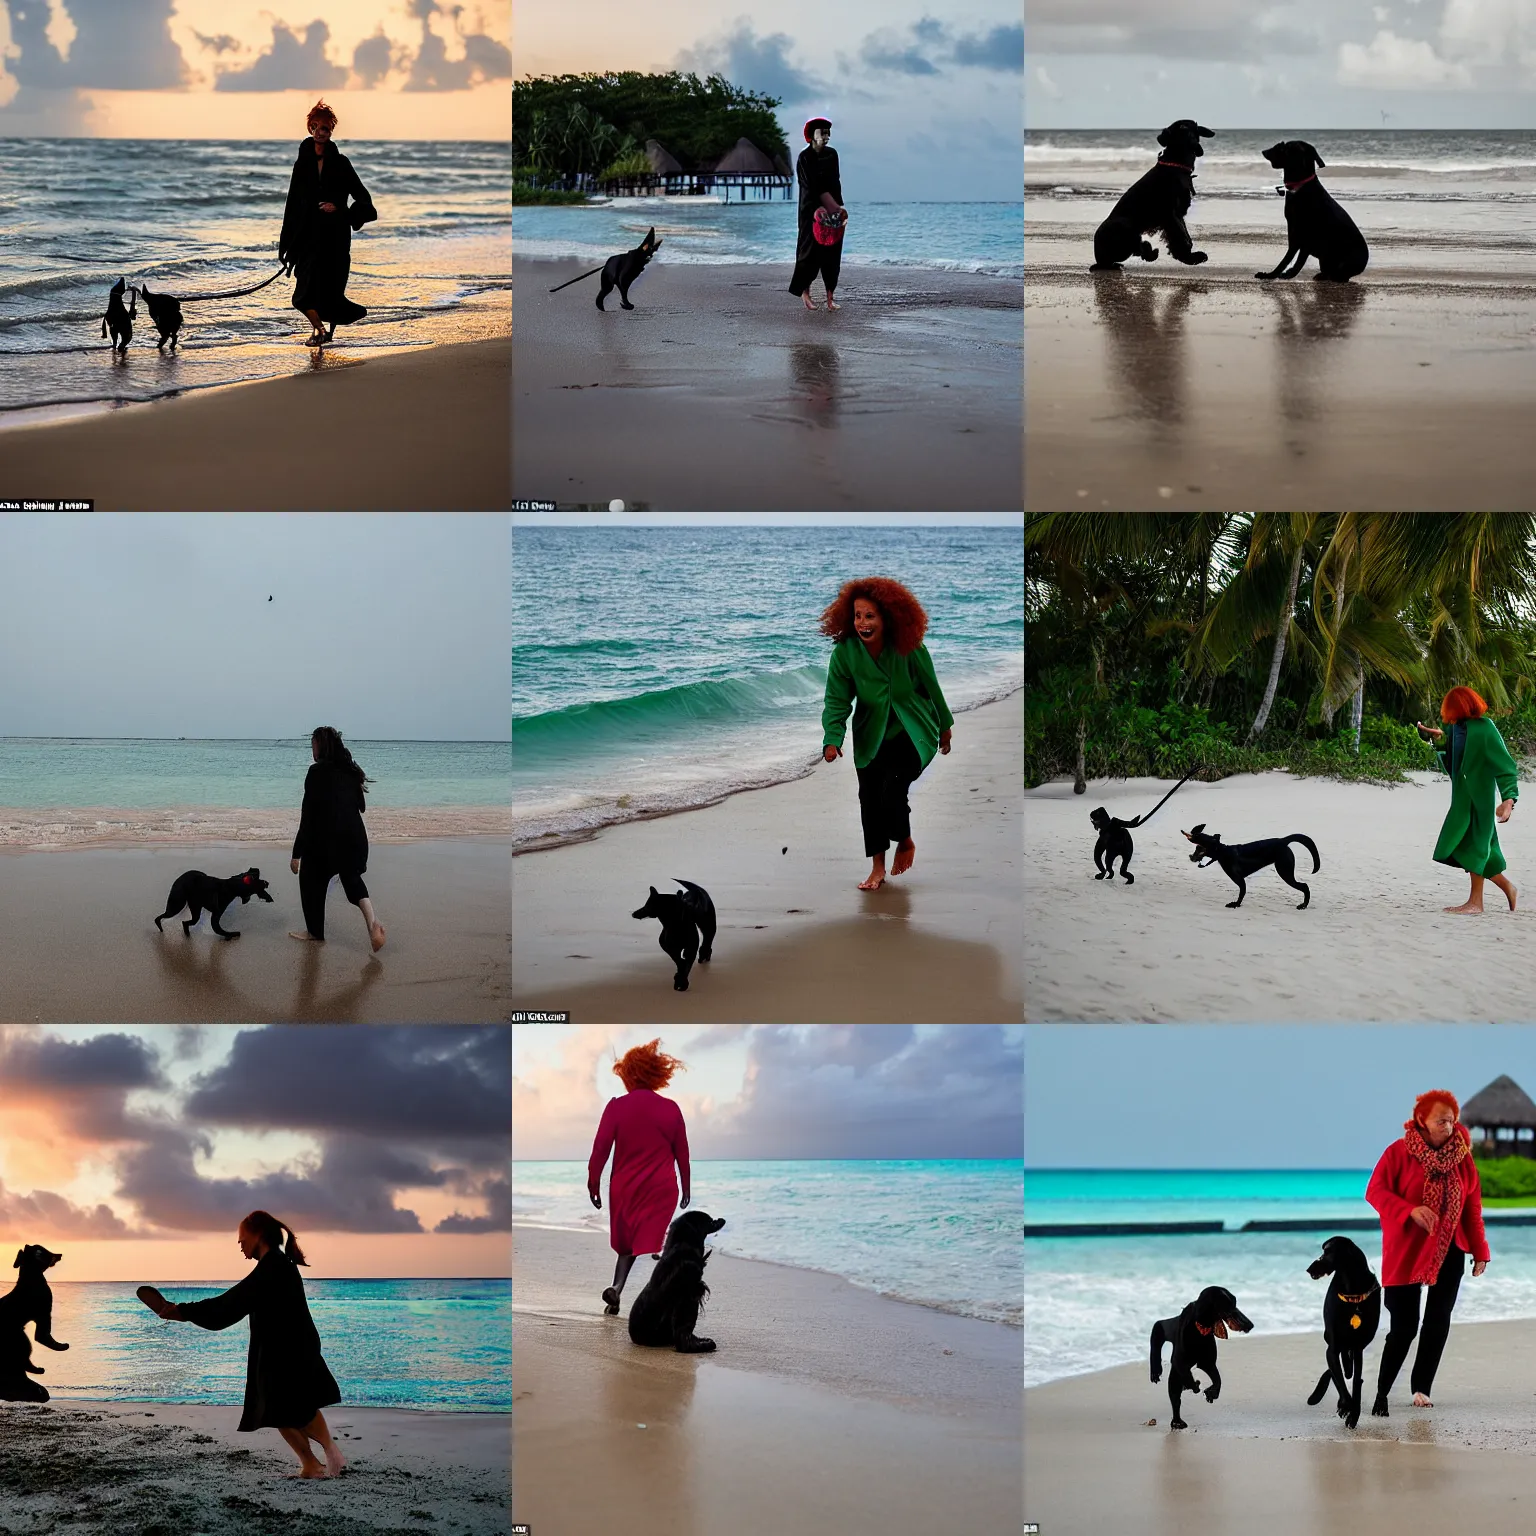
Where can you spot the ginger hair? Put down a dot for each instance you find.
(1427, 1101)
(905, 621)
(320, 113)
(1462, 704)
(646, 1066)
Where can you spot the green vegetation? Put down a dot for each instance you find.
(1165, 644)
(1508, 1180)
(526, 192)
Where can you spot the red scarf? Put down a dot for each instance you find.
(1442, 1192)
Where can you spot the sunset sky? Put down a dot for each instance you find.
(784, 1091)
(136, 1151)
(250, 69)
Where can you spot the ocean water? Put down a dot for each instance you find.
(659, 668)
(199, 216)
(134, 773)
(946, 1234)
(1090, 1302)
(948, 237)
(442, 1345)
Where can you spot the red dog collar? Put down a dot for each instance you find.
(1176, 166)
(1291, 186)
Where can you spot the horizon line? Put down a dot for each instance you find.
(408, 740)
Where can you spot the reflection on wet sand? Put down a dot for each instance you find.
(816, 371)
(1144, 326)
(1309, 314)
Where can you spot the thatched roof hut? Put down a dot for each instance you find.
(1501, 1119)
(745, 159)
(661, 162)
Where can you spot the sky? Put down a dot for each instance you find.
(1292, 65)
(135, 1152)
(1247, 1096)
(251, 69)
(768, 519)
(392, 626)
(783, 1091)
(924, 100)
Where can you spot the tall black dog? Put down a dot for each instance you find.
(621, 270)
(196, 890)
(166, 313)
(666, 1312)
(1351, 1316)
(29, 1301)
(683, 919)
(119, 319)
(1193, 1334)
(1156, 205)
(1315, 224)
(1243, 859)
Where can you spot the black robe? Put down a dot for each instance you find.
(331, 830)
(816, 171)
(287, 1381)
(320, 244)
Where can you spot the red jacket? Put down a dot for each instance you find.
(1396, 1187)
(646, 1135)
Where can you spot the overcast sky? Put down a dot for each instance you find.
(394, 626)
(768, 519)
(1247, 1096)
(136, 1151)
(783, 1091)
(1306, 64)
(924, 100)
(250, 69)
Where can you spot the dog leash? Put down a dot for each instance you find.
(1142, 821)
(234, 293)
(592, 273)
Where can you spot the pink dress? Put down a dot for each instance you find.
(646, 1135)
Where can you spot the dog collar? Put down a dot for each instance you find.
(1291, 186)
(1176, 165)
(1355, 1301)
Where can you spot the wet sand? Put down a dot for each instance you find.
(419, 431)
(78, 939)
(105, 1469)
(797, 942)
(720, 391)
(893, 1417)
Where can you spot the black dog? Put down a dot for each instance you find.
(29, 1301)
(1193, 1334)
(120, 320)
(621, 270)
(1156, 205)
(1315, 224)
(683, 919)
(166, 313)
(197, 890)
(1351, 1316)
(666, 1312)
(1243, 859)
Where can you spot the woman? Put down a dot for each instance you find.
(1426, 1190)
(646, 1134)
(331, 839)
(900, 719)
(287, 1381)
(821, 188)
(317, 227)
(1478, 763)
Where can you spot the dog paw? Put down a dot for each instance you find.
(1265, 277)
(1379, 1409)
(679, 986)
(1195, 258)
(1234, 903)
(1212, 1393)
(1178, 1424)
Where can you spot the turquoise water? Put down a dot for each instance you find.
(433, 1344)
(135, 773)
(658, 668)
(943, 1233)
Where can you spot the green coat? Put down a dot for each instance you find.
(1469, 837)
(904, 683)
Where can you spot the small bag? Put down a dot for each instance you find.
(828, 227)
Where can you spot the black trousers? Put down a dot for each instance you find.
(813, 260)
(883, 786)
(315, 876)
(1403, 1307)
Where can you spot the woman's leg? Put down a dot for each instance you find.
(1437, 1324)
(871, 797)
(1506, 885)
(314, 877)
(357, 894)
(298, 1442)
(621, 1271)
(1474, 902)
(1403, 1308)
(906, 766)
(320, 1432)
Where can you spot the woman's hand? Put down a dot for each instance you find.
(1478, 1266)
(831, 754)
(293, 864)
(944, 741)
(1504, 810)
(1429, 730)
(686, 1198)
(595, 1198)
(1425, 1217)
(327, 207)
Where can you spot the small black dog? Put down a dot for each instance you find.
(1351, 1316)
(1243, 859)
(1193, 1334)
(1315, 224)
(120, 320)
(1115, 842)
(683, 919)
(1156, 205)
(196, 890)
(621, 270)
(666, 1312)
(29, 1301)
(166, 313)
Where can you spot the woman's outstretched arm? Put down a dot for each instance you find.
(217, 1312)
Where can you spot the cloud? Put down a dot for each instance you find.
(928, 44)
(289, 64)
(373, 58)
(223, 43)
(1180, 29)
(1046, 84)
(497, 1194)
(42, 1214)
(432, 70)
(1491, 32)
(85, 1083)
(1393, 63)
(123, 45)
(759, 64)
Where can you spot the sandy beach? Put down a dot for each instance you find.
(894, 1417)
(418, 431)
(1202, 388)
(719, 391)
(1373, 945)
(796, 942)
(1260, 1460)
(78, 939)
(104, 1469)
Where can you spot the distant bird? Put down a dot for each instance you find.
(784, 849)
(269, 599)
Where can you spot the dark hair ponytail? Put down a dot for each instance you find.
(330, 748)
(270, 1230)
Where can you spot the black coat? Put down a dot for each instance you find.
(817, 172)
(331, 827)
(320, 244)
(287, 1381)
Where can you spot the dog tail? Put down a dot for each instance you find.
(697, 891)
(1311, 847)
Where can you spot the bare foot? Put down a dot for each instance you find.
(1510, 894)
(906, 851)
(376, 937)
(1421, 1401)
(874, 880)
(334, 1461)
(831, 305)
(808, 301)
(311, 1469)
(306, 934)
(1468, 908)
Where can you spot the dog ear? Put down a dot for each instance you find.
(1205, 133)
(1314, 153)
(20, 1254)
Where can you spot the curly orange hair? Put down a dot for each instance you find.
(1427, 1101)
(320, 113)
(1462, 704)
(646, 1066)
(905, 621)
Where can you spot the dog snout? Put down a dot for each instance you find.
(1237, 1322)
